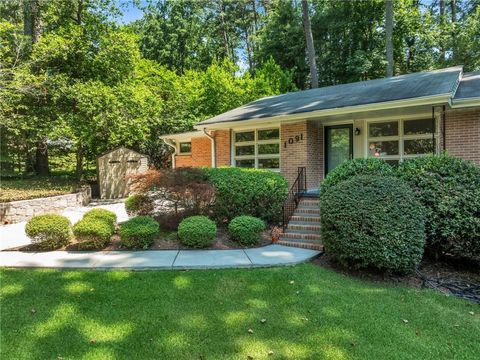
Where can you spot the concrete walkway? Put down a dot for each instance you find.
(271, 255)
(14, 235)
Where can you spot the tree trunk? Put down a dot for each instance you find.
(310, 47)
(453, 4)
(389, 36)
(441, 4)
(41, 159)
(224, 29)
(79, 166)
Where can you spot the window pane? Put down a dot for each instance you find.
(416, 127)
(185, 147)
(268, 163)
(383, 148)
(418, 146)
(246, 163)
(383, 129)
(268, 149)
(245, 136)
(245, 150)
(270, 134)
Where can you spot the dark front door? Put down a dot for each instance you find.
(338, 145)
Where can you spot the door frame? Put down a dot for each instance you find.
(325, 141)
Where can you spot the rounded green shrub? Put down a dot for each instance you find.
(139, 204)
(197, 231)
(139, 232)
(373, 221)
(109, 216)
(246, 229)
(93, 232)
(449, 189)
(260, 193)
(49, 231)
(347, 169)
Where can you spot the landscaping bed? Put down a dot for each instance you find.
(300, 312)
(164, 241)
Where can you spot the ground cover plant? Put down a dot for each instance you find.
(30, 188)
(309, 313)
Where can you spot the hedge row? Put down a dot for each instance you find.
(448, 188)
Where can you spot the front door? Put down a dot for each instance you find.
(338, 145)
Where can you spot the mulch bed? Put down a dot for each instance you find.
(450, 276)
(165, 241)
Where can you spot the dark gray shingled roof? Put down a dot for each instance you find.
(469, 86)
(402, 87)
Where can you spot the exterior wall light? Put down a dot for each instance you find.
(357, 131)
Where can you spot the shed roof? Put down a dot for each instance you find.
(404, 87)
(118, 148)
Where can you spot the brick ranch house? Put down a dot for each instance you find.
(304, 135)
(393, 119)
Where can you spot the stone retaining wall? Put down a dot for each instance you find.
(17, 211)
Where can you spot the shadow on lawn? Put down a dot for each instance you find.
(50, 314)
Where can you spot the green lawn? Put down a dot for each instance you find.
(47, 314)
(30, 188)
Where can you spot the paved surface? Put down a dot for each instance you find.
(14, 235)
(271, 255)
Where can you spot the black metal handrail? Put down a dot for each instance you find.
(298, 187)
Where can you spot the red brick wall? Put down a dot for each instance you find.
(200, 155)
(202, 148)
(462, 133)
(293, 155)
(222, 140)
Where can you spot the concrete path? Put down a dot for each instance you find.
(271, 255)
(14, 235)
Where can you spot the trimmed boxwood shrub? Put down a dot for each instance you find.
(259, 193)
(139, 232)
(93, 232)
(246, 229)
(197, 231)
(139, 204)
(449, 188)
(103, 214)
(373, 221)
(49, 231)
(347, 169)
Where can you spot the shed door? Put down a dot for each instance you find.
(115, 181)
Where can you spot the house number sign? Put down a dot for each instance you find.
(292, 140)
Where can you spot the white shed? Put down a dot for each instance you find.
(113, 168)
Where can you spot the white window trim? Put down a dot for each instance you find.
(400, 138)
(180, 152)
(256, 156)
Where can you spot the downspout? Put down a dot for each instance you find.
(444, 132)
(169, 143)
(433, 131)
(214, 147)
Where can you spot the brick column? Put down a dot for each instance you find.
(462, 133)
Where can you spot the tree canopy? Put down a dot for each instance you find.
(75, 81)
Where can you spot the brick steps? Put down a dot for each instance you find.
(303, 230)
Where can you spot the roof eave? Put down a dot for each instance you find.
(462, 103)
(419, 101)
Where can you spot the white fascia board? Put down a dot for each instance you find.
(425, 100)
(183, 136)
(462, 103)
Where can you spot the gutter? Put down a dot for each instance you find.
(213, 151)
(172, 145)
(462, 103)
